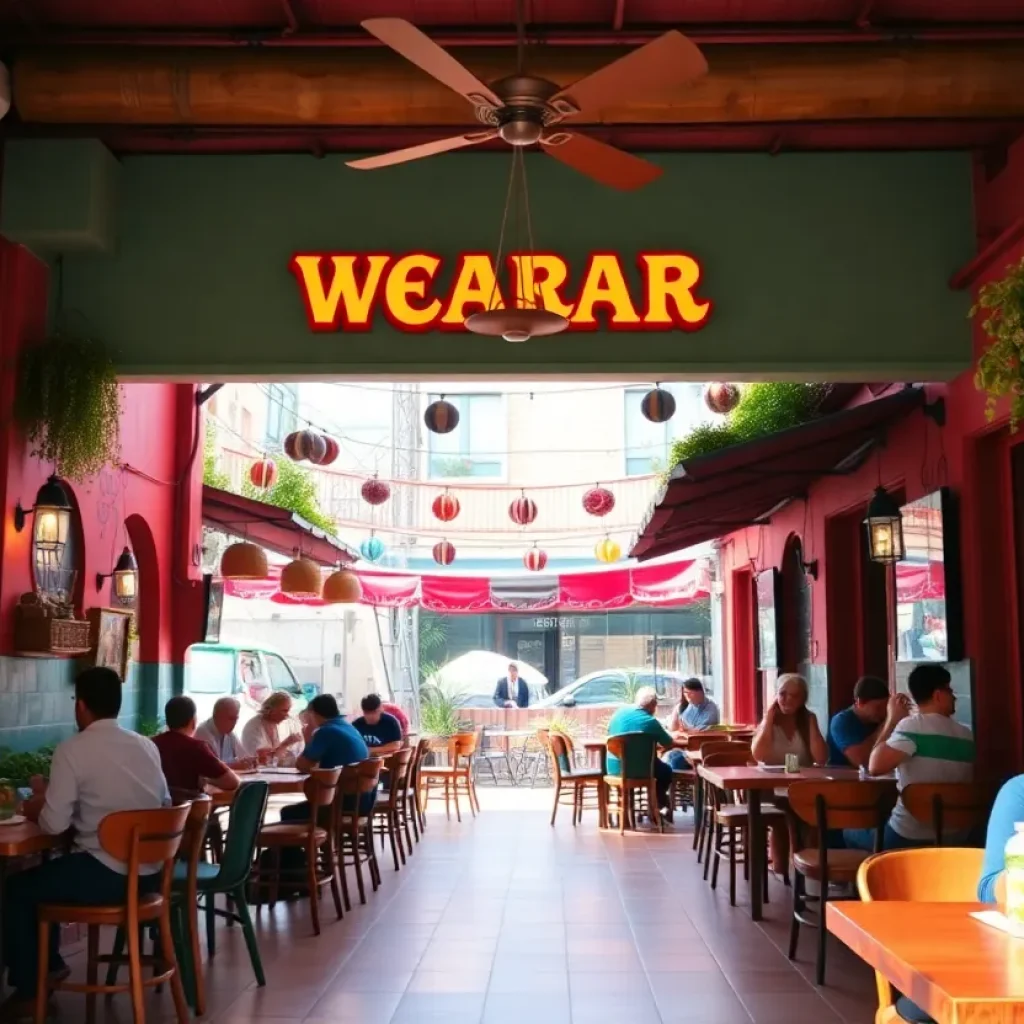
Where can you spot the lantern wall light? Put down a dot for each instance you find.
(125, 577)
(51, 512)
(884, 524)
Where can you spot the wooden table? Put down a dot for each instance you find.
(754, 781)
(957, 969)
(280, 781)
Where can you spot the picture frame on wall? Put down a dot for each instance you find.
(766, 589)
(110, 636)
(214, 608)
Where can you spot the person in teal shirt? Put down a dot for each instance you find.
(640, 718)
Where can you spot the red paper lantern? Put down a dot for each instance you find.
(444, 552)
(441, 417)
(301, 445)
(263, 473)
(598, 501)
(445, 507)
(375, 492)
(721, 397)
(535, 559)
(328, 455)
(523, 511)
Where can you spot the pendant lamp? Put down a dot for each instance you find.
(244, 561)
(342, 587)
(301, 576)
(884, 524)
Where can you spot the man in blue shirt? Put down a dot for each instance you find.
(1006, 812)
(853, 732)
(697, 712)
(381, 732)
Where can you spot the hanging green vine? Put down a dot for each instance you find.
(999, 373)
(68, 404)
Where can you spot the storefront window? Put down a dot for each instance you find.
(476, 447)
(921, 619)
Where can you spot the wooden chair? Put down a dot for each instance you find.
(572, 783)
(957, 807)
(641, 748)
(386, 818)
(315, 838)
(826, 806)
(133, 838)
(449, 777)
(418, 798)
(929, 875)
(731, 754)
(409, 810)
(355, 838)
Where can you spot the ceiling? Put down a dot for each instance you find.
(64, 29)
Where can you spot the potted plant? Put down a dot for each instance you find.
(999, 373)
(68, 404)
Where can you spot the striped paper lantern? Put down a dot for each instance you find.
(444, 552)
(263, 473)
(535, 559)
(445, 507)
(598, 501)
(328, 453)
(301, 445)
(372, 549)
(441, 417)
(375, 492)
(721, 397)
(607, 550)
(658, 405)
(523, 511)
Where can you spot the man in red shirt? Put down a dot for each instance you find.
(186, 761)
(396, 712)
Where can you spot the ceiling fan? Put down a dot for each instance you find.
(523, 109)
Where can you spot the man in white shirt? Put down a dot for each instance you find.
(101, 769)
(218, 733)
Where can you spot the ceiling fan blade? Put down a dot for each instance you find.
(402, 156)
(659, 68)
(605, 164)
(419, 49)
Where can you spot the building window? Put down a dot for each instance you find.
(476, 447)
(282, 408)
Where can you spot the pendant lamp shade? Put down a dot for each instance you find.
(301, 576)
(884, 524)
(342, 587)
(244, 561)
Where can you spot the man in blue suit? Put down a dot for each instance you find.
(511, 691)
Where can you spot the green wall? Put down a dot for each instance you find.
(832, 265)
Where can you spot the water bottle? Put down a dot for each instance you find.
(1015, 876)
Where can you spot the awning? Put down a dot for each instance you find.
(920, 581)
(276, 529)
(666, 585)
(745, 484)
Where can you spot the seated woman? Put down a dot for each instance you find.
(1006, 812)
(274, 732)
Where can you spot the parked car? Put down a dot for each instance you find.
(247, 673)
(609, 687)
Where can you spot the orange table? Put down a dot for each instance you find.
(957, 969)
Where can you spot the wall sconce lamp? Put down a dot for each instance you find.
(52, 516)
(125, 577)
(885, 529)
(811, 568)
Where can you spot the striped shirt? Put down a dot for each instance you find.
(941, 750)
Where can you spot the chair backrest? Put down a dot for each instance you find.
(734, 757)
(320, 789)
(195, 834)
(832, 805)
(144, 837)
(461, 745)
(397, 765)
(244, 821)
(697, 740)
(930, 874)
(634, 749)
(949, 806)
(561, 753)
(722, 747)
(359, 778)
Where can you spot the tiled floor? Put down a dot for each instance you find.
(504, 919)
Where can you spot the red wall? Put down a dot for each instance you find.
(156, 441)
(970, 455)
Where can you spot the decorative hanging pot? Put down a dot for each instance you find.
(263, 474)
(301, 576)
(523, 511)
(445, 507)
(301, 445)
(721, 397)
(244, 561)
(441, 417)
(328, 453)
(607, 550)
(598, 501)
(342, 587)
(375, 492)
(444, 552)
(658, 405)
(535, 559)
(372, 549)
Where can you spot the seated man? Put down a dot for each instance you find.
(695, 713)
(218, 733)
(1006, 812)
(853, 732)
(187, 762)
(101, 769)
(926, 746)
(398, 714)
(380, 731)
(640, 718)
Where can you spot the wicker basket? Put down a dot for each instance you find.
(36, 634)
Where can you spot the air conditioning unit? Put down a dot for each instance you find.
(5, 91)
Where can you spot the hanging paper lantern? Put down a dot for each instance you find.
(444, 552)
(301, 445)
(607, 550)
(721, 397)
(326, 451)
(598, 501)
(244, 561)
(301, 576)
(658, 405)
(535, 559)
(263, 473)
(342, 587)
(372, 549)
(375, 492)
(441, 417)
(523, 511)
(445, 507)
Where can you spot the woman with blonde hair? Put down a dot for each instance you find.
(789, 727)
(273, 733)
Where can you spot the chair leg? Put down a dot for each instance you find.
(249, 933)
(455, 795)
(554, 809)
(135, 973)
(342, 873)
(357, 861)
(43, 947)
(391, 836)
(190, 918)
(314, 890)
(211, 925)
(116, 952)
(798, 908)
(732, 867)
(405, 826)
(602, 804)
(716, 855)
(170, 959)
(819, 967)
(709, 853)
(334, 867)
(374, 865)
(447, 801)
